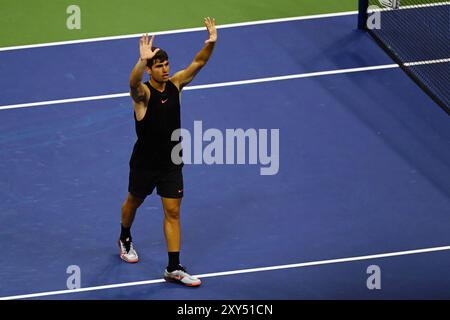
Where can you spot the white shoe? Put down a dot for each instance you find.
(182, 277)
(127, 251)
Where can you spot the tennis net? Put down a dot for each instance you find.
(416, 34)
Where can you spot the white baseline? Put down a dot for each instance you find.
(231, 83)
(242, 271)
(224, 26)
(205, 86)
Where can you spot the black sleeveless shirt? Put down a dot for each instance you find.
(153, 147)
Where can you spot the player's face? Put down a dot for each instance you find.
(160, 71)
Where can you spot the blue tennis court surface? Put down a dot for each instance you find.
(364, 169)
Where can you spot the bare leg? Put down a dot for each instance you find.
(129, 208)
(172, 233)
(172, 229)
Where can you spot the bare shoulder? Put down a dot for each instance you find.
(147, 91)
(176, 79)
(140, 93)
(141, 97)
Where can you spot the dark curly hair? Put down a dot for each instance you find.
(161, 55)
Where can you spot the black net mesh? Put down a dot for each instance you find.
(416, 33)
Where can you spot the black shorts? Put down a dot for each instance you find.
(168, 183)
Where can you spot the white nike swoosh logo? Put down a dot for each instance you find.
(164, 101)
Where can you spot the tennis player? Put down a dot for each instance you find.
(156, 106)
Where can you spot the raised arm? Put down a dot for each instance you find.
(138, 91)
(185, 76)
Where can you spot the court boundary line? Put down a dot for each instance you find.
(195, 29)
(230, 83)
(234, 272)
(176, 31)
(206, 86)
(421, 63)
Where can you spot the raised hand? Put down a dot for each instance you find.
(145, 47)
(211, 26)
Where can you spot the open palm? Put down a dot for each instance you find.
(145, 47)
(211, 26)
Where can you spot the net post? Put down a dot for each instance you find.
(362, 14)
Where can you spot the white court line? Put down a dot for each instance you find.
(205, 86)
(421, 63)
(224, 26)
(230, 83)
(227, 273)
